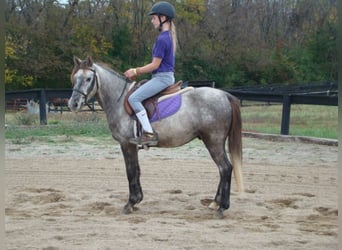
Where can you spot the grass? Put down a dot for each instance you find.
(305, 120)
(66, 124)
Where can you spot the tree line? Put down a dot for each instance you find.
(234, 42)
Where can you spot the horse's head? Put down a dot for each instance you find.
(85, 83)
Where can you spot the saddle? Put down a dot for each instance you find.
(150, 104)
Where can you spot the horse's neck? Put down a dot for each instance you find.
(111, 93)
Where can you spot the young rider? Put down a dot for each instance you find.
(161, 67)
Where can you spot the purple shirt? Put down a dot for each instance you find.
(163, 48)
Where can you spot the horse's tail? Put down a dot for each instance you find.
(235, 141)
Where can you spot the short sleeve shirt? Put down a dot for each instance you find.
(163, 48)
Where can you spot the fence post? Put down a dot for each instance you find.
(42, 107)
(285, 119)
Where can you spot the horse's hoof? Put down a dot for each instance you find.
(219, 214)
(213, 205)
(127, 209)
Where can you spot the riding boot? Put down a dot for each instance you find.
(148, 136)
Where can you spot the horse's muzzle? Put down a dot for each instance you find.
(75, 105)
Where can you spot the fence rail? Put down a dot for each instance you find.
(43, 95)
(313, 94)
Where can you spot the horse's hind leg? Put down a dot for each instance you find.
(130, 154)
(218, 154)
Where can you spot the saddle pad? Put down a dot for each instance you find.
(167, 107)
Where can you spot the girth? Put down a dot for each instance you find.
(150, 104)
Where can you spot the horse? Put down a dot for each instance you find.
(58, 103)
(210, 114)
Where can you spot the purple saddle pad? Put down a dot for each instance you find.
(167, 108)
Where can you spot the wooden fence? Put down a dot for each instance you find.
(42, 96)
(313, 94)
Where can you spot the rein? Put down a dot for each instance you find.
(123, 90)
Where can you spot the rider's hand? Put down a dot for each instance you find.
(131, 74)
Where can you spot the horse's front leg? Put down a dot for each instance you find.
(130, 153)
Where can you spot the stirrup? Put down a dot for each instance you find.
(150, 139)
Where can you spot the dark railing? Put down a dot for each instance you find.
(202, 83)
(42, 95)
(314, 94)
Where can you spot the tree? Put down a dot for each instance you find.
(234, 42)
(13, 79)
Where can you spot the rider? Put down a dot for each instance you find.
(161, 67)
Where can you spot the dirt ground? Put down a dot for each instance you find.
(67, 193)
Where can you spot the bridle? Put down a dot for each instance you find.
(90, 88)
(92, 85)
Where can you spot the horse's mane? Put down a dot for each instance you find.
(109, 69)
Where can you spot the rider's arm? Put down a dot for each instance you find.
(148, 68)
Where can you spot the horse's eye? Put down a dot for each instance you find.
(88, 79)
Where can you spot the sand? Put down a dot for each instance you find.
(68, 193)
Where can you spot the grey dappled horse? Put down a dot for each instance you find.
(206, 113)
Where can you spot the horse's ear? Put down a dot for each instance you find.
(77, 61)
(89, 61)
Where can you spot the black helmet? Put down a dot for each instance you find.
(163, 8)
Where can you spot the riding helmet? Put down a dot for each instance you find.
(163, 8)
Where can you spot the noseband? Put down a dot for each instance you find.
(90, 88)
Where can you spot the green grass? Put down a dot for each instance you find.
(305, 120)
(67, 124)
